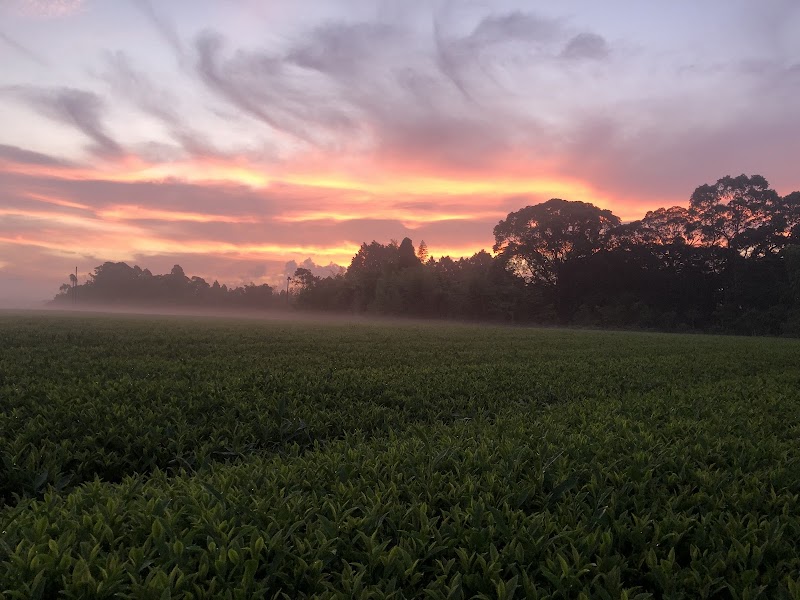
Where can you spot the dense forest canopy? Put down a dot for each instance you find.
(729, 262)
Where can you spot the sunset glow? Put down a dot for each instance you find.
(232, 139)
(138, 213)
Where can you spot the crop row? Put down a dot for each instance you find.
(108, 397)
(691, 494)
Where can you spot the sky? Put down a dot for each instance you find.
(241, 138)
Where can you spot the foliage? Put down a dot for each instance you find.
(112, 397)
(120, 284)
(735, 213)
(434, 462)
(537, 240)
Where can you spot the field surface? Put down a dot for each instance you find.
(158, 457)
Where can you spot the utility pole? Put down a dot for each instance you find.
(75, 288)
(288, 279)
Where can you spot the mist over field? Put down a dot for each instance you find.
(305, 317)
(16, 294)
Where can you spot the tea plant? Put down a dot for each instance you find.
(161, 457)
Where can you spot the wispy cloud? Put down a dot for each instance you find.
(78, 108)
(266, 87)
(127, 212)
(395, 92)
(164, 27)
(136, 87)
(22, 49)
(14, 154)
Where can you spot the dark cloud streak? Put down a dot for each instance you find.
(516, 26)
(136, 87)
(226, 81)
(238, 200)
(77, 108)
(344, 86)
(587, 46)
(269, 89)
(344, 50)
(448, 62)
(19, 155)
(163, 27)
(22, 49)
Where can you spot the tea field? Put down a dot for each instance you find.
(182, 457)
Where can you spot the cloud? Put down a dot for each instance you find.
(22, 49)
(18, 155)
(516, 26)
(390, 81)
(77, 108)
(449, 62)
(385, 93)
(344, 49)
(329, 270)
(255, 83)
(355, 87)
(136, 87)
(136, 212)
(656, 168)
(438, 102)
(589, 46)
(239, 202)
(163, 27)
(497, 42)
(226, 231)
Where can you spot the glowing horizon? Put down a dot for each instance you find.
(238, 141)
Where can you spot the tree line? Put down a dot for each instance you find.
(730, 262)
(119, 284)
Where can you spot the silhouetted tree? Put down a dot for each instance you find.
(786, 220)
(422, 251)
(371, 271)
(724, 212)
(630, 235)
(535, 241)
(406, 256)
(305, 279)
(119, 284)
(669, 226)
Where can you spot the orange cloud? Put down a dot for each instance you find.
(312, 207)
(341, 252)
(56, 201)
(408, 218)
(364, 184)
(63, 242)
(137, 213)
(61, 219)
